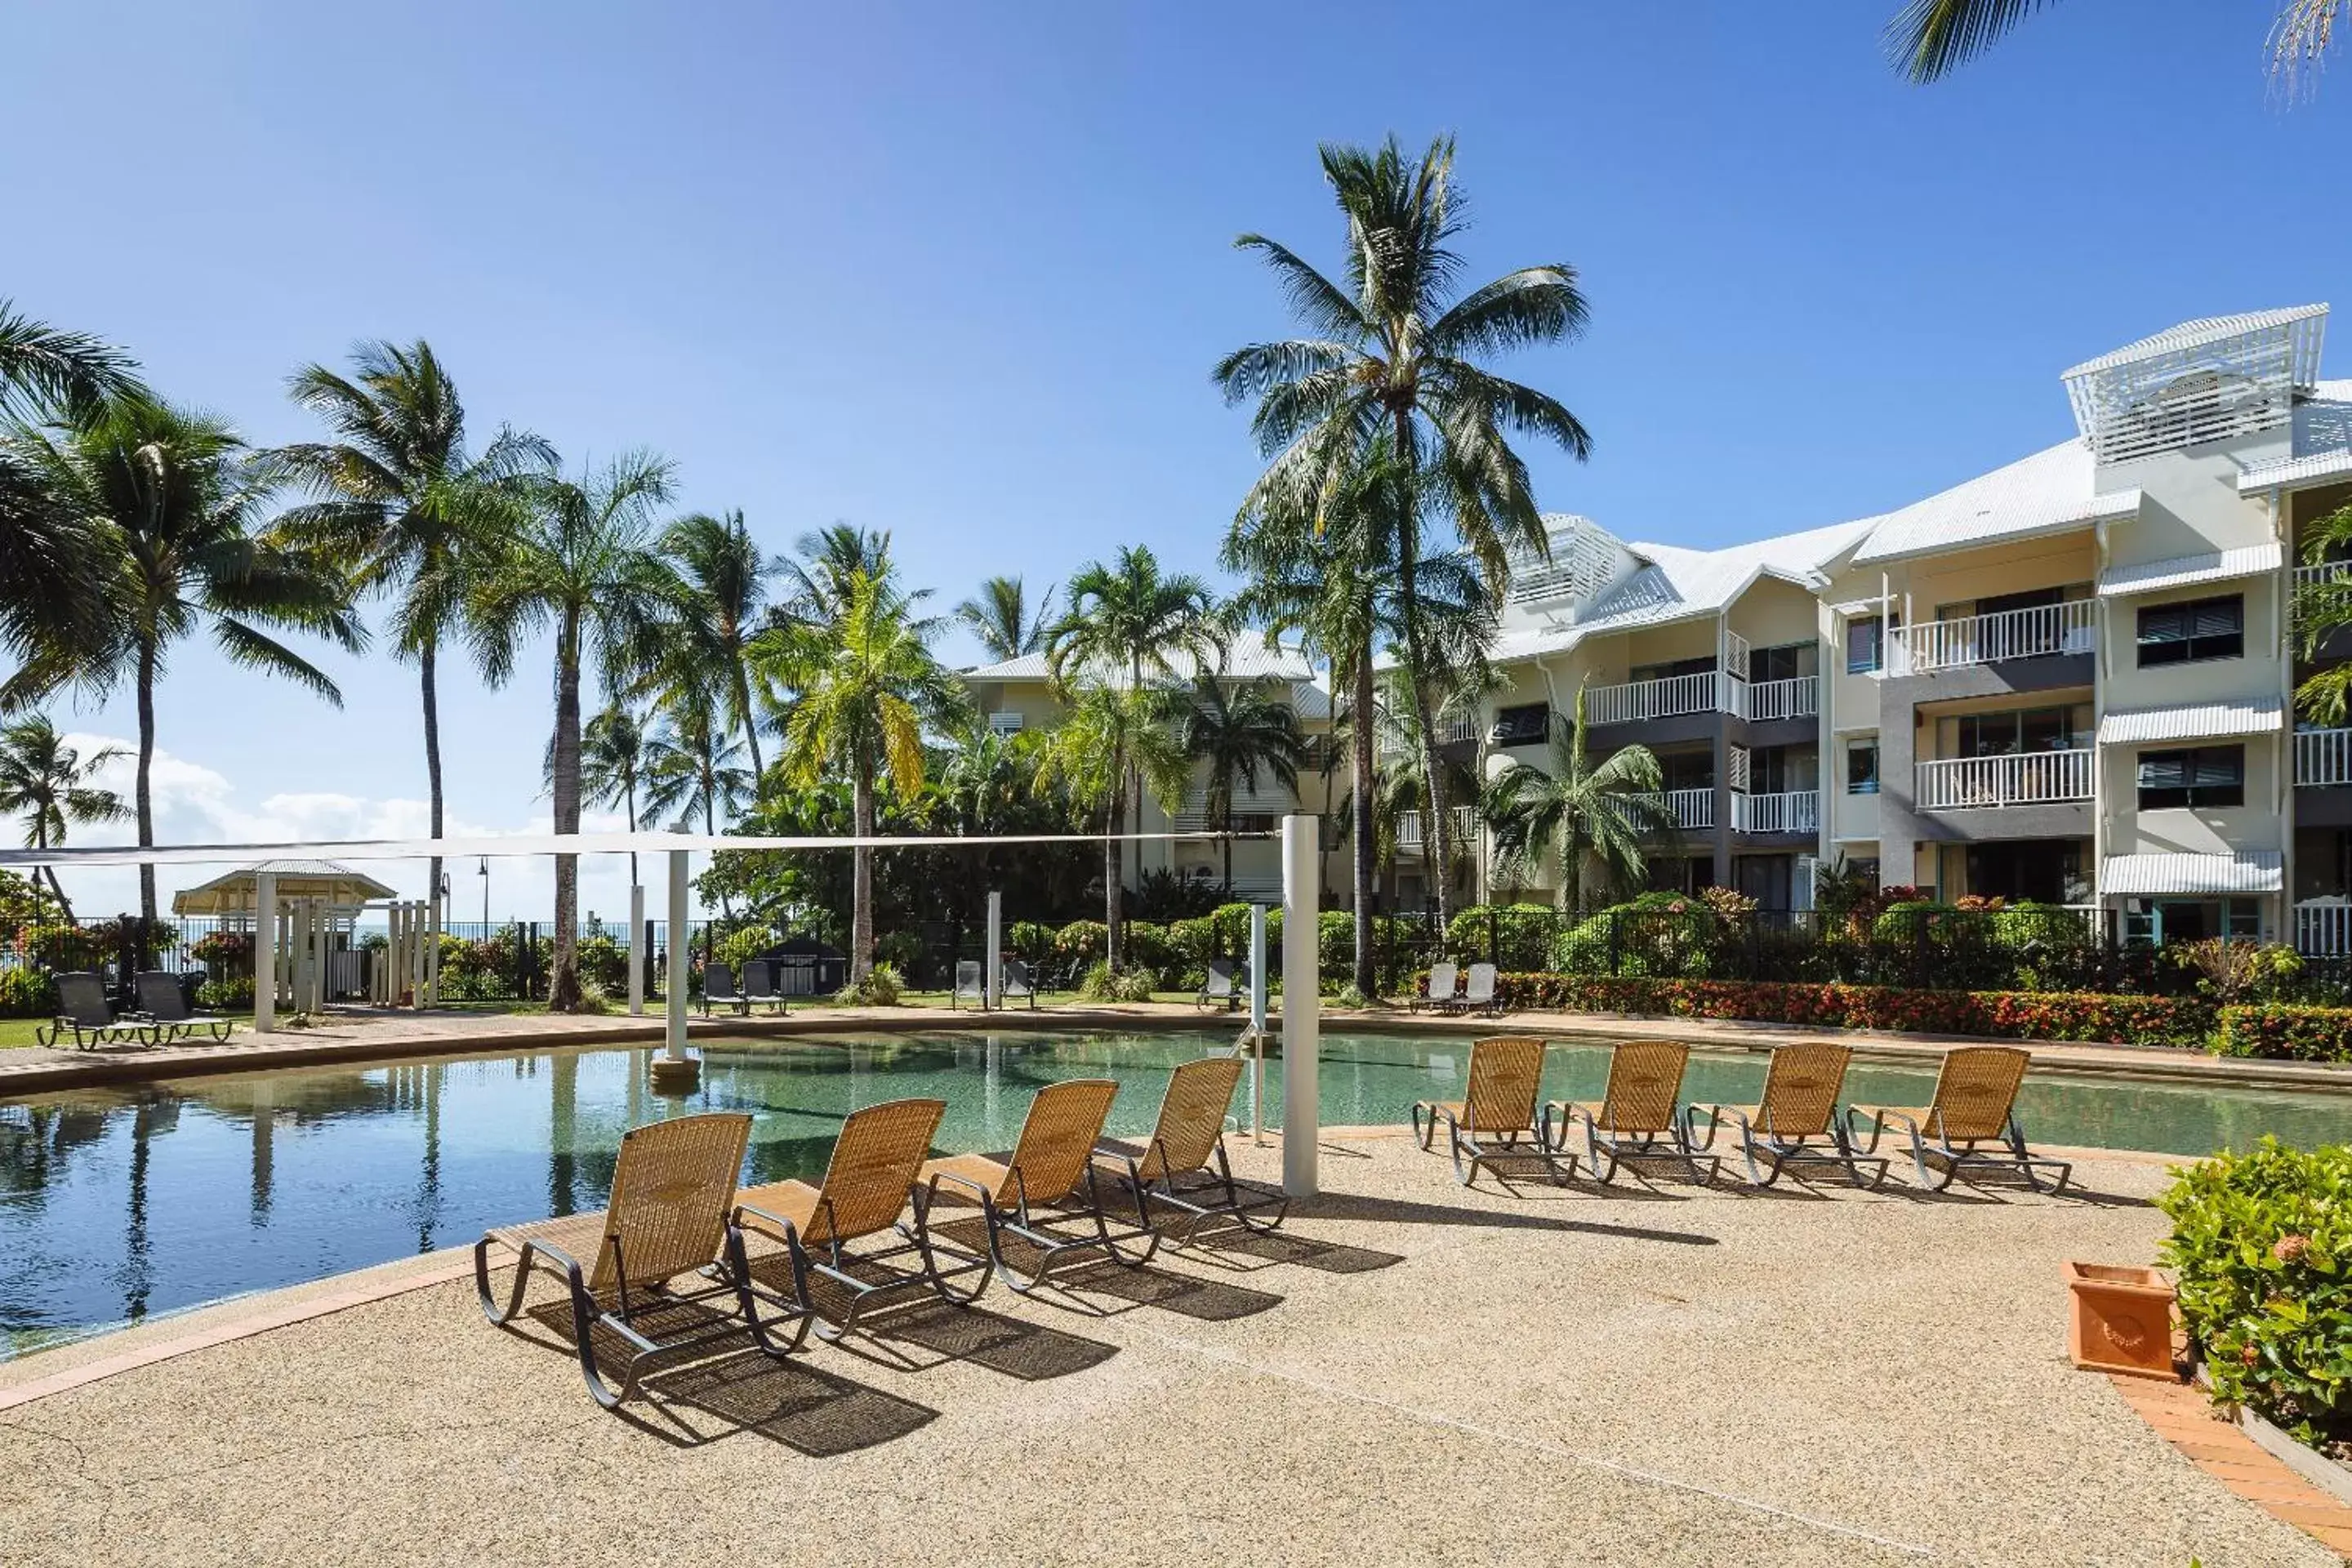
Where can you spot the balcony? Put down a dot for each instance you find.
(2036, 633)
(1691, 808)
(1799, 697)
(1410, 837)
(1710, 691)
(1790, 811)
(2323, 928)
(2020, 778)
(2323, 756)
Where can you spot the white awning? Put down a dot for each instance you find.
(2184, 571)
(2202, 721)
(2249, 871)
(2296, 473)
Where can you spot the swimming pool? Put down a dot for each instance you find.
(115, 1204)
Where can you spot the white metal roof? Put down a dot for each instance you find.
(2198, 721)
(2322, 448)
(2048, 492)
(2248, 871)
(238, 890)
(2183, 571)
(2203, 333)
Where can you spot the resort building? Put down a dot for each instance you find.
(2070, 679)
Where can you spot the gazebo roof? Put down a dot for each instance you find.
(238, 891)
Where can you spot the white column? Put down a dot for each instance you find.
(417, 955)
(637, 953)
(674, 1037)
(264, 953)
(992, 993)
(1258, 968)
(396, 951)
(432, 950)
(1301, 1007)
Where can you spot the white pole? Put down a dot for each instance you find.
(1301, 1007)
(636, 956)
(264, 953)
(1258, 968)
(432, 950)
(416, 953)
(674, 1037)
(993, 992)
(395, 949)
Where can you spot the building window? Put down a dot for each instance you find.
(1674, 668)
(2201, 628)
(2205, 776)
(1784, 661)
(1862, 767)
(1528, 724)
(2015, 731)
(1866, 642)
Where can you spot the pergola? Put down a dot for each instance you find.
(1301, 1023)
(305, 906)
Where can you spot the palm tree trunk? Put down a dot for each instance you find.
(145, 793)
(41, 841)
(861, 871)
(1437, 843)
(425, 660)
(750, 730)
(1367, 981)
(563, 982)
(629, 804)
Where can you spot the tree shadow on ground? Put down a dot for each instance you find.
(1406, 1211)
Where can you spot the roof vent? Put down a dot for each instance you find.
(1585, 559)
(2202, 381)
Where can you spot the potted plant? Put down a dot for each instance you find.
(2122, 1319)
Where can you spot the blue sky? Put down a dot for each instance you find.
(960, 272)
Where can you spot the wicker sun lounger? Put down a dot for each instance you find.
(868, 1183)
(1444, 978)
(1970, 1125)
(1044, 1194)
(83, 1014)
(1495, 1118)
(1795, 1123)
(671, 1191)
(1639, 1115)
(1183, 1166)
(161, 998)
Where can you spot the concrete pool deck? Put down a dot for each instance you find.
(1411, 1373)
(350, 1035)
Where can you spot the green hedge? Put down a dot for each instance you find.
(28, 993)
(2288, 1033)
(2261, 1245)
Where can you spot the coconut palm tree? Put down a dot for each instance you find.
(726, 594)
(401, 504)
(1579, 810)
(866, 686)
(1928, 39)
(1126, 621)
(1237, 733)
(999, 616)
(1115, 741)
(614, 763)
(582, 564)
(178, 504)
(814, 582)
(1394, 354)
(694, 769)
(49, 783)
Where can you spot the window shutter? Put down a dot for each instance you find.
(1738, 768)
(2216, 617)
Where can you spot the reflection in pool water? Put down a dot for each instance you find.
(115, 1205)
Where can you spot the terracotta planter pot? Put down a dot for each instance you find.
(2122, 1319)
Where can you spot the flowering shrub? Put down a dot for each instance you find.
(68, 947)
(224, 952)
(1081, 941)
(234, 994)
(27, 993)
(2288, 1033)
(2261, 1243)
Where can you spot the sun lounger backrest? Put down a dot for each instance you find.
(1482, 985)
(1065, 1122)
(1221, 977)
(1800, 1088)
(82, 997)
(758, 980)
(1976, 1090)
(672, 1187)
(1191, 1116)
(968, 977)
(1016, 978)
(718, 980)
(1506, 1077)
(1442, 978)
(160, 996)
(873, 1165)
(1646, 1081)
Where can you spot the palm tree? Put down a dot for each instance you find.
(1238, 731)
(178, 504)
(47, 593)
(1115, 740)
(694, 769)
(999, 616)
(1127, 621)
(1928, 39)
(726, 593)
(866, 686)
(583, 563)
(50, 784)
(1577, 811)
(614, 763)
(401, 504)
(814, 579)
(1393, 357)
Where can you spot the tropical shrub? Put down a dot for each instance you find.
(2262, 1247)
(58, 946)
(1149, 946)
(1130, 985)
(880, 988)
(602, 963)
(1081, 941)
(901, 950)
(2288, 1033)
(1031, 941)
(223, 952)
(232, 994)
(736, 949)
(2236, 972)
(1521, 934)
(28, 993)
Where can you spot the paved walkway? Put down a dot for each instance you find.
(1412, 1373)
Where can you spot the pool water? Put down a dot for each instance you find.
(120, 1204)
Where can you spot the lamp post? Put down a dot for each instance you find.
(486, 897)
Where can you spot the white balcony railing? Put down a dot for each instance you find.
(2323, 756)
(2022, 778)
(1989, 639)
(1691, 808)
(1800, 697)
(1790, 811)
(1708, 691)
(1409, 836)
(2323, 928)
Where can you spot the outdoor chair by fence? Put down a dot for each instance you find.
(1015, 985)
(1223, 984)
(719, 989)
(1495, 1120)
(1970, 1125)
(969, 985)
(1638, 1116)
(1045, 1195)
(1443, 977)
(161, 998)
(1478, 993)
(83, 1014)
(761, 988)
(672, 1188)
(867, 1184)
(1795, 1122)
(1183, 1166)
